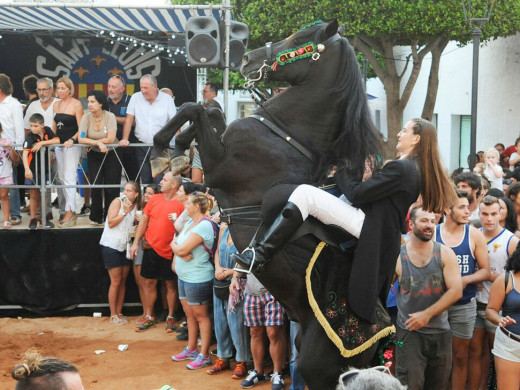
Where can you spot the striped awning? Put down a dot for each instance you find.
(90, 16)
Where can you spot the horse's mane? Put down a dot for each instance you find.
(358, 138)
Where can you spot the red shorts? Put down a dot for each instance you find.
(263, 310)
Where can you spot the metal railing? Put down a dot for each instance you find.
(43, 174)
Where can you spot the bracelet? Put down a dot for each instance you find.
(123, 213)
(235, 277)
(73, 140)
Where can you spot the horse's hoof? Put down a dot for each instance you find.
(179, 164)
(160, 160)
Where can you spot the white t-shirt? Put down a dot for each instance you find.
(150, 118)
(36, 108)
(11, 117)
(496, 182)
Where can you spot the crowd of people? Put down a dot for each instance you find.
(457, 309)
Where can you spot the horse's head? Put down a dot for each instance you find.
(289, 60)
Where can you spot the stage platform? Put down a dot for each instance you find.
(50, 270)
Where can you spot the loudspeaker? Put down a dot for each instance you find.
(238, 38)
(202, 41)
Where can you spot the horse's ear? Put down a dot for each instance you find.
(331, 29)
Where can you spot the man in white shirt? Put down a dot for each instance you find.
(151, 109)
(44, 106)
(11, 117)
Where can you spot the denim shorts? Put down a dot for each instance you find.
(196, 293)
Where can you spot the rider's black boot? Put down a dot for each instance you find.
(278, 233)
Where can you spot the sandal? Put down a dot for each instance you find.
(116, 320)
(7, 225)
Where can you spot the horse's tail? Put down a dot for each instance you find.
(358, 138)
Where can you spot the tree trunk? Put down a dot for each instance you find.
(394, 117)
(433, 81)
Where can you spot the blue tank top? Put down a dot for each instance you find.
(225, 251)
(511, 308)
(466, 261)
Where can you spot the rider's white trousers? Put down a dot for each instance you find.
(328, 209)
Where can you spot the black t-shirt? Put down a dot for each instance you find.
(30, 140)
(119, 110)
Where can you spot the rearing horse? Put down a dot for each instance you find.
(321, 120)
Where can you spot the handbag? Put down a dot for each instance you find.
(221, 288)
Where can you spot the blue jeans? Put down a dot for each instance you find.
(231, 331)
(14, 199)
(297, 381)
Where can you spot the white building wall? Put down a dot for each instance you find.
(498, 117)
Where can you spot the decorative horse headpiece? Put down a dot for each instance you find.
(309, 49)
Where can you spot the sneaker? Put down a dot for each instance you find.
(183, 336)
(146, 323)
(240, 371)
(170, 324)
(96, 223)
(33, 224)
(85, 210)
(49, 224)
(277, 381)
(16, 221)
(199, 362)
(252, 379)
(218, 367)
(186, 354)
(25, 209)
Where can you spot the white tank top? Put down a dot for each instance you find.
(117, 237)
(497, 249)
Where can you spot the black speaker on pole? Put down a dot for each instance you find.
(202, 42)
(238, 38)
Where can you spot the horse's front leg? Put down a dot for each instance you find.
(162, 157)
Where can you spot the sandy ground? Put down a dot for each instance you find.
(146, 365)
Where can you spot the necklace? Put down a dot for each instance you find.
(96, 119)
(66, 105)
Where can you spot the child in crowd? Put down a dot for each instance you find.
(39, 136)
(493, 171)
(514, 159)
(7, 155)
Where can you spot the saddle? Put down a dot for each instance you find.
(326, 278)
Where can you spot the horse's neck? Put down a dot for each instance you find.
(305, 108)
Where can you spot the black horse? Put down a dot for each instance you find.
(296, 137)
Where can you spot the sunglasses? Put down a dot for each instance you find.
(120, 78)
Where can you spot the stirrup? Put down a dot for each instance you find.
(242, 270)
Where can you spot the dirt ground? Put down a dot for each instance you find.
(146, 365)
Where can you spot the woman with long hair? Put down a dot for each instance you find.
(68, 112)
(113, 242)
(381, 205)
(149, 191)
(508, 215)
(195, 271)
(503, 309)
(97, 129)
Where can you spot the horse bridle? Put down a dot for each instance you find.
(267, 65)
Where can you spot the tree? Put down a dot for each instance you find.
(375, 28)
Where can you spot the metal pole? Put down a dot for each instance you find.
(474, 97)
(365, 71)
(227, 8)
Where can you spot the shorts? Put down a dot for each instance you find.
(6, 181)
(113, 258)
(263, 310)
(481, 321)
(462, 319)
(506, 348)
(196, 293)
(156, 267)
